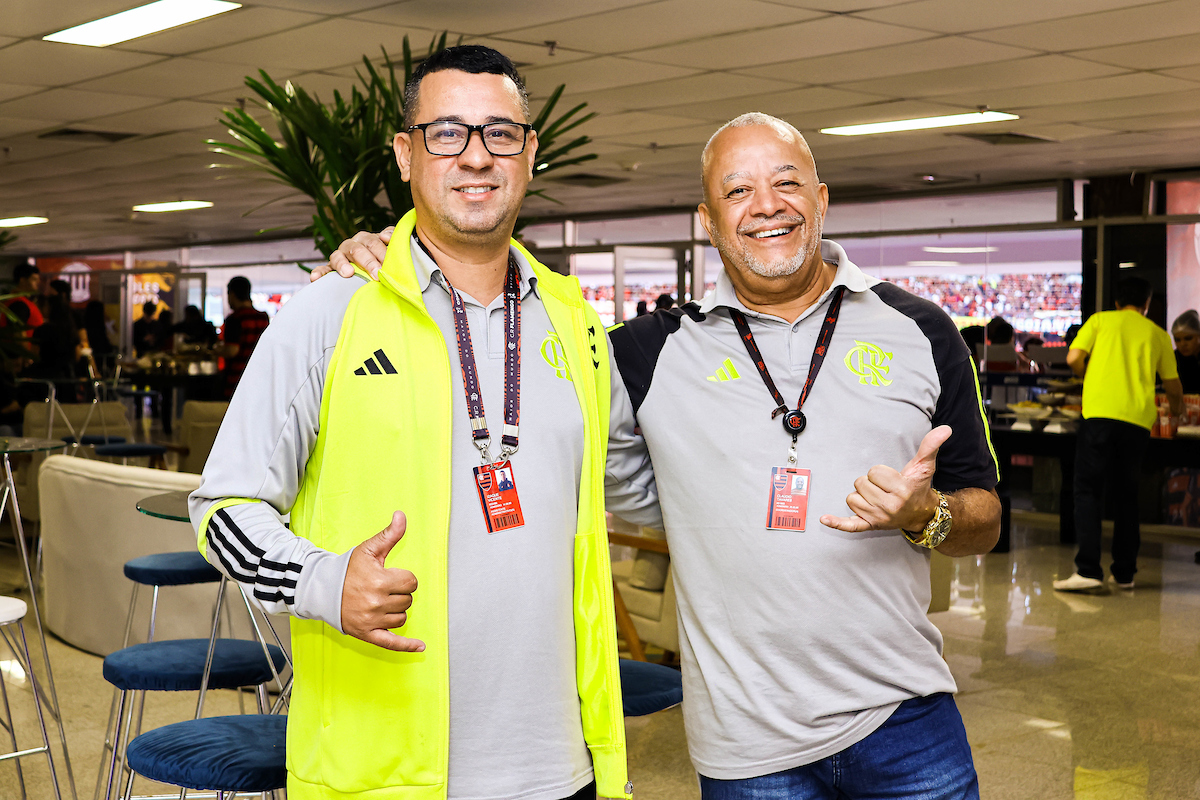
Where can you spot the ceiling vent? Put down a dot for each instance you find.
(80, 135)
(1005, 138)
(590, 180)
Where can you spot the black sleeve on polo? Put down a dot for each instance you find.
(637, 343)
(966, 459)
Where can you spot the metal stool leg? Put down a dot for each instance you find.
(11, 727)
(25, 661)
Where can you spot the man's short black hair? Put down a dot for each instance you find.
(23, 271)
(1133, 292)
(149, 308)
(471, 58)
(239, 287)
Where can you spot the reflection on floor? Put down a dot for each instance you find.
(1064, 696)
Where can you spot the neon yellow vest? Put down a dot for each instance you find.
(369, 722)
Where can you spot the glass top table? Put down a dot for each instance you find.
(24, 444)
(169, 505)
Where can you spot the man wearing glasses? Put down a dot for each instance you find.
(428, 392)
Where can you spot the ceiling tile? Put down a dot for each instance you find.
(883, 112)
(791, 105)
(1132, 84)
(10, 91)
(175, 78)
(1154, 21)
(1122, 107)
(633, 122)
(686, 135)
(175, 116)
(39, 63)
(1152, 122)
(332, 43)
(239, 25)
(1175, 51)
(603, 72)
(753, 48)
(1191, 73)
(474, 17)
(887, 62)
(660, 23)
(1059, 132)
(72, 105)
(324, 6)
(1001, 75)
(11, 126)
(839, 6)
(955, 16)
(695, 91)
(526, 55)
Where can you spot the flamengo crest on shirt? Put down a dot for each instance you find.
(370, 367)
(553, 354)
(868, 362)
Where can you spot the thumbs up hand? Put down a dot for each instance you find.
(885, 499)
(376, 598)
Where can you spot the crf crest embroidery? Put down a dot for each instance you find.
(869, 362)
(552, 352)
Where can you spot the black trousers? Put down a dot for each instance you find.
(1108, 451)
(586, 793)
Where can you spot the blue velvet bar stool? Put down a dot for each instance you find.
(187, 568)
(127, 450)
(182, 665)
(12, 633)
(647, 688)
(243, 753)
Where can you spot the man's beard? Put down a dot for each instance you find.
(481, 222)
(739, 253)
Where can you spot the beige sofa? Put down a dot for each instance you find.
(106, 418)
(197, 430)
(90, 528)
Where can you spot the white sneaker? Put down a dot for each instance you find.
(1078, 583)
(1126, 586)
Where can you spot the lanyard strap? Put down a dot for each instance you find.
(793, 420)
(480, 435)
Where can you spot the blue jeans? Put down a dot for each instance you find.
(920, 753)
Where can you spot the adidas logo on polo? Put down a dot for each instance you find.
(370, 367)
(726, 372)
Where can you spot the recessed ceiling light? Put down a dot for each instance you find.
(960, 249)
(933, 264)
(20, 222)
(180, 205)
(140, 21)
(921, 124)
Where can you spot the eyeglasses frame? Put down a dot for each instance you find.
(423, 127)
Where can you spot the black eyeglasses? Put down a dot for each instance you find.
(452, 138)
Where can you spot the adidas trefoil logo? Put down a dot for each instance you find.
(370, 367)
(727, 372)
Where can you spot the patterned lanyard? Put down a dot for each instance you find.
(480, 435)
(794, 421)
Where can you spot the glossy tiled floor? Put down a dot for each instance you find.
(1064, 696)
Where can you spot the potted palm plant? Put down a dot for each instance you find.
(340, 154)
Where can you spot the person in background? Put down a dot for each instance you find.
(28, 282)
(1117, 354)
(96, 324)
(1186, 332)
(58, 347)
(973, 335)
(642, 309)
(145, 330)
(195, 328)
(242, 329)
(664, 302)
(164, 339)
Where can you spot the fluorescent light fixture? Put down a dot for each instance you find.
(140, 21)
(180, 205)
(960, 249)
(20, 222)
(933, 264)
(921, 124)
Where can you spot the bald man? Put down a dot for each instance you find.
(814, 433)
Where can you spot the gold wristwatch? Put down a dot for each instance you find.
(938, 528)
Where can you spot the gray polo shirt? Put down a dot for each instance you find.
(796, 645)
(515, 725)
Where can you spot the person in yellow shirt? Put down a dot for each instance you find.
(1117, 353)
